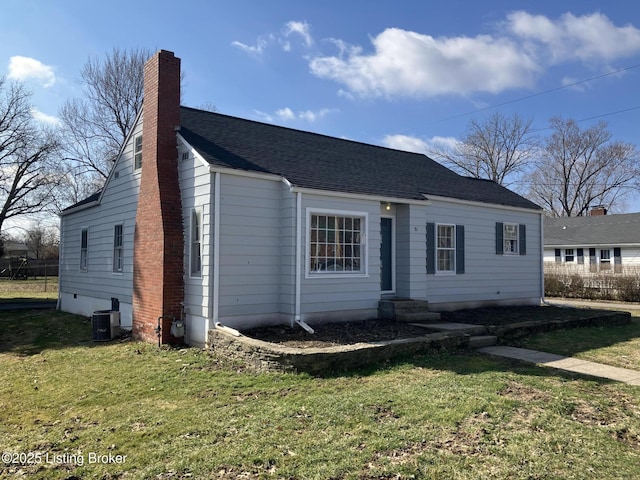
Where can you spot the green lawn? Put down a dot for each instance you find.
(619, 346)
(40, 288)
(189, 414)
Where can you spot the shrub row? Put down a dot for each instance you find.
(561, 281)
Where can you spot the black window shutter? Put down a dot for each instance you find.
(581, 256)
(558, 256)
(459, 249)
(431, 248)
(523, 239)
(499, 238)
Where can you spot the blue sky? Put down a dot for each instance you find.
(396, 73)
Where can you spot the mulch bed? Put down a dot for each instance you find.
(375, 330)
(332, 334)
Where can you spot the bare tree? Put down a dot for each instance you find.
(42, 241)
(498, 149)
(28, 175)
(579, 168)
(96, 126)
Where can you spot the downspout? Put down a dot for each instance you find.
(215, 311)
(296, 317)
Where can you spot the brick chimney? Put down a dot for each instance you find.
(597, 211)
(158, 287)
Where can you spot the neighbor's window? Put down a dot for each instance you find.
(137, 152)
(118, 250)
(84, 237)
(196, 251)
(336, 243)
(446, 248)
(510, 238)
(605, 259)
(568, 255)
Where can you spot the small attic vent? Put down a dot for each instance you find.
(116, 174)
(185, 156)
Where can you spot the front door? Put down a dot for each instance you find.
(386, 254)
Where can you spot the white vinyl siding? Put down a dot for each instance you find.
(83, 292)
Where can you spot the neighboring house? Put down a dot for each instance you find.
(593, 243)
(248, 224)
(14, 249)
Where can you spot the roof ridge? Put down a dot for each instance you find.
(358, 142)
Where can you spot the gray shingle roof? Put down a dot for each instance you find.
(598, 230)
(310, 160)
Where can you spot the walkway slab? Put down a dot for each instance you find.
(569, 364)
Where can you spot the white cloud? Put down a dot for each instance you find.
(300, 28)
(264, 41)
(411, 64)
(44, 118)
(261, 44)
(405, 143)
(447, 143)
(26, 68)
(586, 38)
(286, 114)
(403, 63)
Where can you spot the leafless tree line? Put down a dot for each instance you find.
(566, 172)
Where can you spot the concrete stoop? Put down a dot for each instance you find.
(406, 310)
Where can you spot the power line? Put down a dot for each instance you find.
(551, 90)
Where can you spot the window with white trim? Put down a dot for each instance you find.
(336, 243)
(510, 236)
(446, 248)
(118, 249)
(568, 255)
(137, 152)
(196, 243)
(84, 242)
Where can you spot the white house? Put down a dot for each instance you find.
(232, 221)
(593, 243)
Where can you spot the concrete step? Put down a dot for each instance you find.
(453, 327)
(479, 341)
(393, 309)
(417, 317)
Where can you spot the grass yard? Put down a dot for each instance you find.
(40, 288)
(619, 346)
(66, 401)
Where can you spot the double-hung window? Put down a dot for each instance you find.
(336, 243)
(196, 250)
(605, 259)
(446, 248)
(84, 242)
(137, 152)
(568, 255)
(510, 239)
(118, 249)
